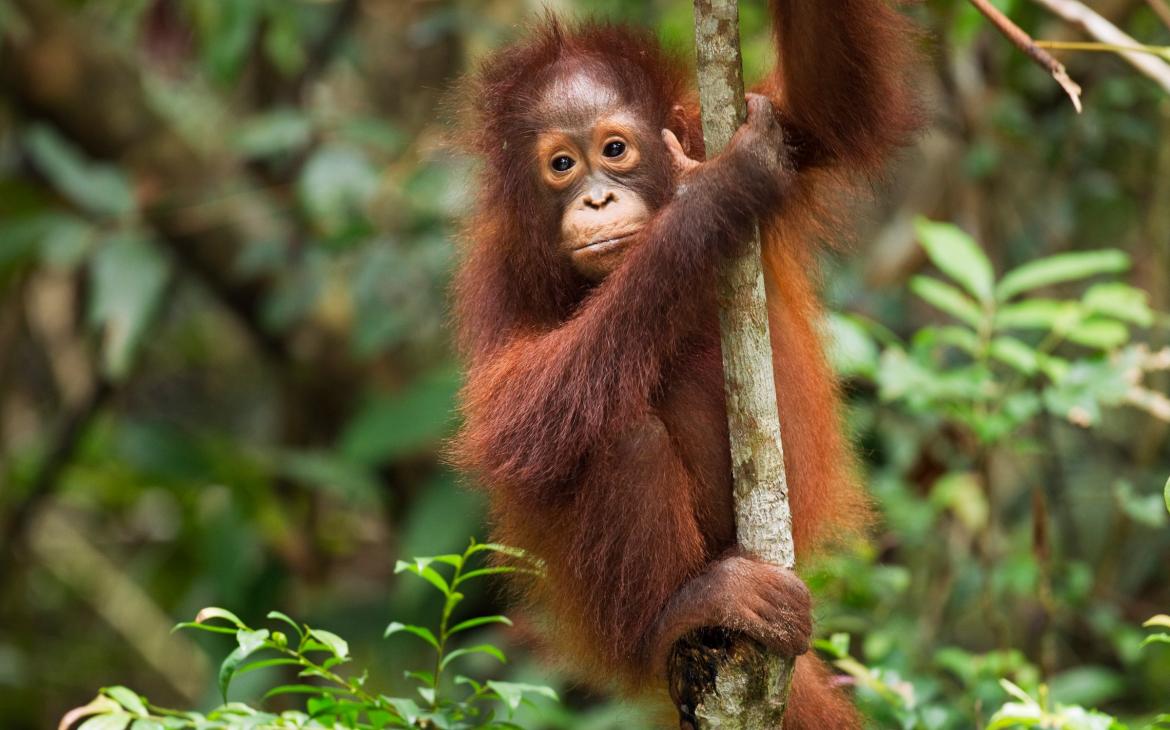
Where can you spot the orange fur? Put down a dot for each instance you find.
(595, 415)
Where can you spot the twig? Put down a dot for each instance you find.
(1102, 30)
(1025, 43)
(1159, 51)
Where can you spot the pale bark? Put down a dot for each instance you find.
(1025, 43)
(731, 682)
(1103, 31)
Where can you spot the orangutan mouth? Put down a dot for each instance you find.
(607, 243)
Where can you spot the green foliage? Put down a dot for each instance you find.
(918, 704)
(332, 699)
(128, 277)
(1038, 712)
(1053, 341)
(275, 414)
(1015, 351)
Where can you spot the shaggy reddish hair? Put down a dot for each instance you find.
(594, 414)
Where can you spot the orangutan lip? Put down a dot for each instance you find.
(606, 243)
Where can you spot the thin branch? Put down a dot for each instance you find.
(1025, 43)
(1092, 46)
(1100, 29)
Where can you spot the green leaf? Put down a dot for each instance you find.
(1060, 268)
(100, 705)
(249, 642)
(375, 132)
(128, 699)
(1014, 715)
(305, 689)
(273, 133)
(212, 612)
(958, 256)
(480, 649)
(21, 236)
(99, 188)
(337, 183)
(425, 572)
(836, 646)
(353, 483)
(1161, 620)
(420, 631)
(452, 559)
(1143, 509)
(851, 349)
(1120, 301)
(961, 493)
(282, 39)
(203, 627)
(228, 31)
(1014, 690)
(336, 644)
(1101, 334)
(1087, 686)
(480, 621)
(278, 616)
(67, 242)
(1015, 353)
(427, 693)
(128, 277)
(494, 570)
(948, 299)
(314, 671)
(265, 664)
(512, 693)
(1086, 386)
(1166, 494)
(424, 677)
(963, 339)
(227, 670)
(391, 426)
(407, 709)
(106, 722)
(1038, 314)
(1156, 639)
(924, 388)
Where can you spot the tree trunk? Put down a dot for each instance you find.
(718, 679)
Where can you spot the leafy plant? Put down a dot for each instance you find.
(1038, 711)
(1011, 352)
(913, 704)
(332, 699)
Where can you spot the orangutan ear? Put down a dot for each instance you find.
(678, 123)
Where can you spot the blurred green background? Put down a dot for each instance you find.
(226, 232)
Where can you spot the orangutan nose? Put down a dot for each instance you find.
(598, 198)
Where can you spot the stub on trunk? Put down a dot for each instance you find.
(720, 678)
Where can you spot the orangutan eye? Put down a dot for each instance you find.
(562, 163)
(615, 148)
